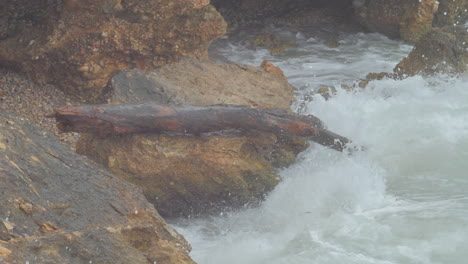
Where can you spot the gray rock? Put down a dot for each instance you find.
(59, 207)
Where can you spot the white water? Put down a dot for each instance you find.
(402, 200)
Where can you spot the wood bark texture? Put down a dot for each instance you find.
(188, 119)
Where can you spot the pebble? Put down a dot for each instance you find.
(26, 99)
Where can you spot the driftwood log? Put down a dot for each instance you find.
(189, 119)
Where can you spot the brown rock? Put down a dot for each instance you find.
(408, 20)
(189, 175)
(26, 207)
(418, 20)
(4, 252)
(47, 227)
(382, 15)
(81, 213)
(281, 12)
(332, 43)
(335, 14)
(271, 42)
(378, 76)
(273, 70)
(453, 12)
(363, 83)
(326, 91)
(79, 45)
(202, 83)
(4, 232)
(375, 76)
(443, 50)
(246, 11)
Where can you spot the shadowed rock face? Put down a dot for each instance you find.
(189, 175)
(261, 9)
(59, 207)
(297, 13)
(443, 50)
(404, 19)
(17, 15)
(79, 45)
(453, 12)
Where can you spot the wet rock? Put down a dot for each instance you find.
(332, 43)
(292, 12)
(409, 20)
(238, 12)
(443, 50)
(375, 76)
(273, 70)
(453, 12)
(271, 42)
(16, 15)
(417, 21)
(326, 91)
(186, 175)
(79, 45)
(319, 19)
(60, 207)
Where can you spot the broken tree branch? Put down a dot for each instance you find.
(188, 119)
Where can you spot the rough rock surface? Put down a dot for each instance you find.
(309, 17)
(409, 20)
(248, 11)
(443, 50)
(453, 12)
(271, 42)
(375, 76)
(79, 45)
(59, 207)
(26, 99)
(203, 83)
(188, 175)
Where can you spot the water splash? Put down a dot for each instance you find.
(403, 200)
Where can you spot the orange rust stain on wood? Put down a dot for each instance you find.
(170, 124)
(300, 128)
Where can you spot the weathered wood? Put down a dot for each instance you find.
(188, 119)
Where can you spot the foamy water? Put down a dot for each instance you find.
(402, 200)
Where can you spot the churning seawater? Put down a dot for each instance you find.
(404, 199)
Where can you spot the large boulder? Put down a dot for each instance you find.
(203, 83)
(59, 207)
(189, 175)
(443, 50)
(409, 20)
(79, 45)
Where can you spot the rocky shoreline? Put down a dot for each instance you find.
(61, 207)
